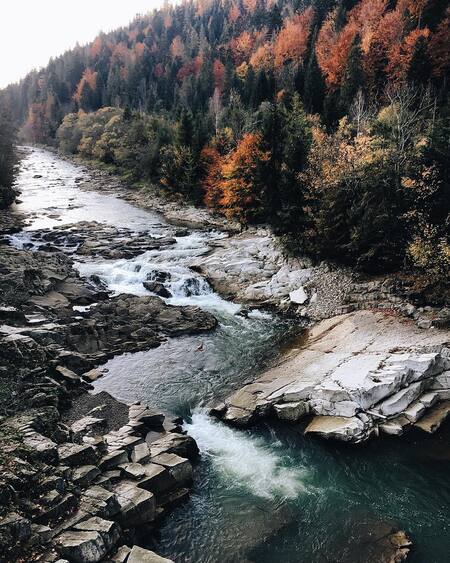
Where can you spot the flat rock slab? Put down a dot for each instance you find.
(81, 547)
(349, 429)
(434, 419)
(179, 467)
(137, 506)
(360, 369)
(75, 455)
(140, 555)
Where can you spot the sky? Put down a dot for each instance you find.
(32, 31)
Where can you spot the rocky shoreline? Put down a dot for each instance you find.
(81, 475)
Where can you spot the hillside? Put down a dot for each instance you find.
(327, 119)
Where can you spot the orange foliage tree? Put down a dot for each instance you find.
(89, 78)
(333, 48)
(211, 162)
(242, 183)
(402, 53)
(291, 42)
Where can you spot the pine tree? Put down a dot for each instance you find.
(353, 79)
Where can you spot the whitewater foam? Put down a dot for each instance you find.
(246, 460)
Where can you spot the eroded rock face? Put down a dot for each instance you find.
(358, 374)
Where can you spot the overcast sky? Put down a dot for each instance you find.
(32, 31)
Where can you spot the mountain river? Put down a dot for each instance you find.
(267, 494)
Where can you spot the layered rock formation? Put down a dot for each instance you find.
(357, 375)
(80, 489)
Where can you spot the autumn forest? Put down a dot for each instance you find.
(327, 119)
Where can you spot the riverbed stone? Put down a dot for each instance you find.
(157, 479)
(433, 420)
(109, 531)
(140, 555)
(81, 547)
(75, 455)
(137, 506)
(347, 429)
(179, 467)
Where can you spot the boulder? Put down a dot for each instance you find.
(149, 417)
(179, 467)
(83, 476)
(97, 501)
(137, 506)
(81, 547)
(75, 455)
(140, 453)
(157, 288)
(157, 479)
(433, 420)
(180, 444)
(298, 296)
(291, 412)
(110, 532)
(113, 459)
(348, 429)
(140, 555)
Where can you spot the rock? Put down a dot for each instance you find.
(110, 532)
(134, 471)
(49, 514)
(113, 459)
(180, 444)
(97, 501)
(157, 479)
(83, 476)
(140, 555)
(140, 453)
(149, 417)
(137, 506)
(399, 401)
(157, 288)
(396, 426)
(121, 555)
(350, 429)
(298, 296)
(87, 425)
(81, 547)
(360, 367)
(291, 412)
(415, 411)
(45, 448)
(434, 419)
(75, 455)
(67, 375)
(92, 375)
(178, 466)
(441, 381)
(16, 526)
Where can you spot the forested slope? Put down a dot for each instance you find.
(328, 119)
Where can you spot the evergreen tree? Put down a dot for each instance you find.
(353, 77)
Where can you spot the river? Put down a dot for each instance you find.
(267, 494)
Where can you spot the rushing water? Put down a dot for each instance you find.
(268, 494)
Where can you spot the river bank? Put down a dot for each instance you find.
(173, 343)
